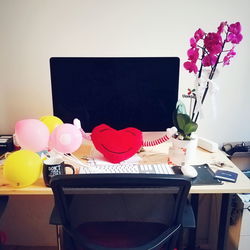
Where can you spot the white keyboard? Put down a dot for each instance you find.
(127, 169)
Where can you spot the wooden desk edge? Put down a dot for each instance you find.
(241, 186)
(211, 189)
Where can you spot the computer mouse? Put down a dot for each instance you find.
(189, 171)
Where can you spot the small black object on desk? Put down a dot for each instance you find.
(6, 144)
(51, 169)
(226, 175)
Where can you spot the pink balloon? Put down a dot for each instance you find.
(65, 138)
(32, 134)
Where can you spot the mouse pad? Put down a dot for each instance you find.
(205, 175)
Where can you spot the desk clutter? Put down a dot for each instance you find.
(96, 164)
(49, 134)
(47, 146)
(6, 144)
(56, 163)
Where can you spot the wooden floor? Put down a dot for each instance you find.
(28, 248)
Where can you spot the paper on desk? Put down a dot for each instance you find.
(98, 159)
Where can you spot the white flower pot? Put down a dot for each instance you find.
(183, 151)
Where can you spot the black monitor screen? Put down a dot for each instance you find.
(121, 92)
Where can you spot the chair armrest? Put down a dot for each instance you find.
(54, 217)
(188, 219)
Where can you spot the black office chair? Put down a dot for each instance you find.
(119, 211)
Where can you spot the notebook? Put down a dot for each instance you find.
(226, 175)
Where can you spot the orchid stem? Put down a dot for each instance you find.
(210, 78)
(199, 75)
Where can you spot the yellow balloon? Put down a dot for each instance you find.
(51, 121)
(22, 168)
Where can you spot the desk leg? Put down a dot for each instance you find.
(224, 221)
(192, 232)
(3, 203)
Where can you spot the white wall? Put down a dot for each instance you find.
(32, 31)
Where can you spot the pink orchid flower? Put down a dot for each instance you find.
(207, 51)
(229, 55)
(191, 67)
(234, 38)
(221, 27)
(208, 48)
(199, 34)
(235, 28)
(213, 43)
(209, 60)
(193, 54)
(193, 43)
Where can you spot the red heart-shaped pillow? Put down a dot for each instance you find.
(116, 145)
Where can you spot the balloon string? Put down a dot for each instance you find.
(84, 135)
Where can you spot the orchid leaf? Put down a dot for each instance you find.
(190, 128)
(181, 109)
(182, 120)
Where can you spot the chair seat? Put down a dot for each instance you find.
(120, 234)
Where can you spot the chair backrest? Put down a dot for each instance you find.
(121, 198)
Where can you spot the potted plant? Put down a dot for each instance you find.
(208, 51)
(185, 142)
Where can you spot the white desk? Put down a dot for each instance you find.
(150, 156)
(159, 154)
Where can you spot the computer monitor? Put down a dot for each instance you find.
(121, 92)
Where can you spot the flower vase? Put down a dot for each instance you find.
(183, 151)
